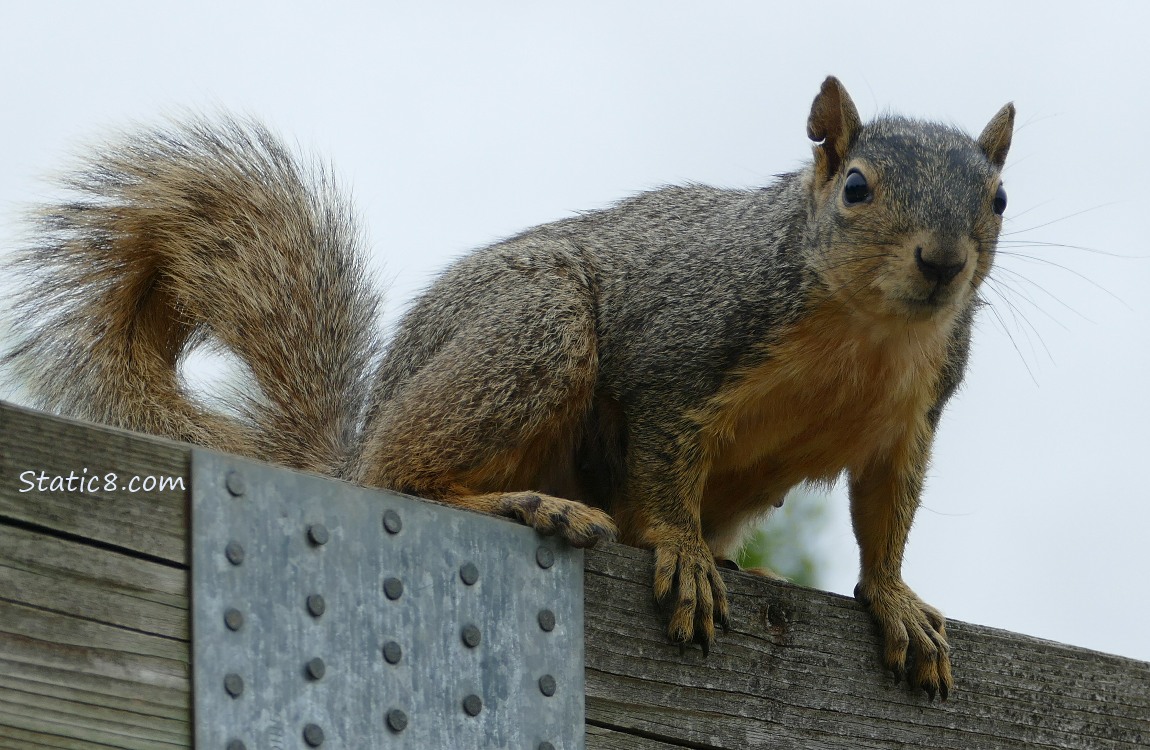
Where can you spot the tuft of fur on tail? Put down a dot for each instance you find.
(203, 229)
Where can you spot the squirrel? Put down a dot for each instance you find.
(662, 370)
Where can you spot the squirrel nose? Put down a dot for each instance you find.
(938, 267)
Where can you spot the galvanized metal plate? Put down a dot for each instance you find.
(328, 615)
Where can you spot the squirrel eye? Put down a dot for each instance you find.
(855, 189)
(999, 200)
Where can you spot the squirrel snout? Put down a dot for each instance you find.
(939, 266)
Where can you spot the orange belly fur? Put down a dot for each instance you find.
(836, 393)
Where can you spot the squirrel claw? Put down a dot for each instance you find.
(911, 630)
(690, 591)
(599, 531)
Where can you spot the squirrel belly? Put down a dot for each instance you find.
(835, 393)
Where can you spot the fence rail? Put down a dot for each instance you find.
(95, 644)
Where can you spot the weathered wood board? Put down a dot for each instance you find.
(95, 643)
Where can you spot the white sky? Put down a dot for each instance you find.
(460, 123)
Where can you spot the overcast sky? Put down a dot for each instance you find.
(456, 124)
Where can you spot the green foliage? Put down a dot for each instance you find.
(789, 540)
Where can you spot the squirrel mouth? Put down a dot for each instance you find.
(939, 297)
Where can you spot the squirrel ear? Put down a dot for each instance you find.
(835, 123)
(995, 138)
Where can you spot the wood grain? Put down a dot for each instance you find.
(154, 524)
(94, 627)
(800, 668)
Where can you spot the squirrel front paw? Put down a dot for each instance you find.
(688, 587)
(913, 631)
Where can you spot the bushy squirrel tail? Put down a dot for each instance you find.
(201, 230)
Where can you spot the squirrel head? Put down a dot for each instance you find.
(905, 214)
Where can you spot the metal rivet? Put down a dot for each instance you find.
(234, 552)
(317, 534)
(234, 481)
(469, 573)
(396, 720)
(547, 685)
(471, 636)
(547, 620)
(392, 653)
(392, 522)
(393, 588)
(234, 684)
(313, 735)
(236, 745)
(546, 746)
(316, 605)
(315, 669)
(234, 619)
(472, 705)
(545, 557)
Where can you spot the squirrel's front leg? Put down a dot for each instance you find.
(884, 498)
(661, 511)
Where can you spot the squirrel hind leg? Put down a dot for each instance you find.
(513, 484)
(492, 421)
(580, 525)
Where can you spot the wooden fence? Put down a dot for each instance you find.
(95, 638)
